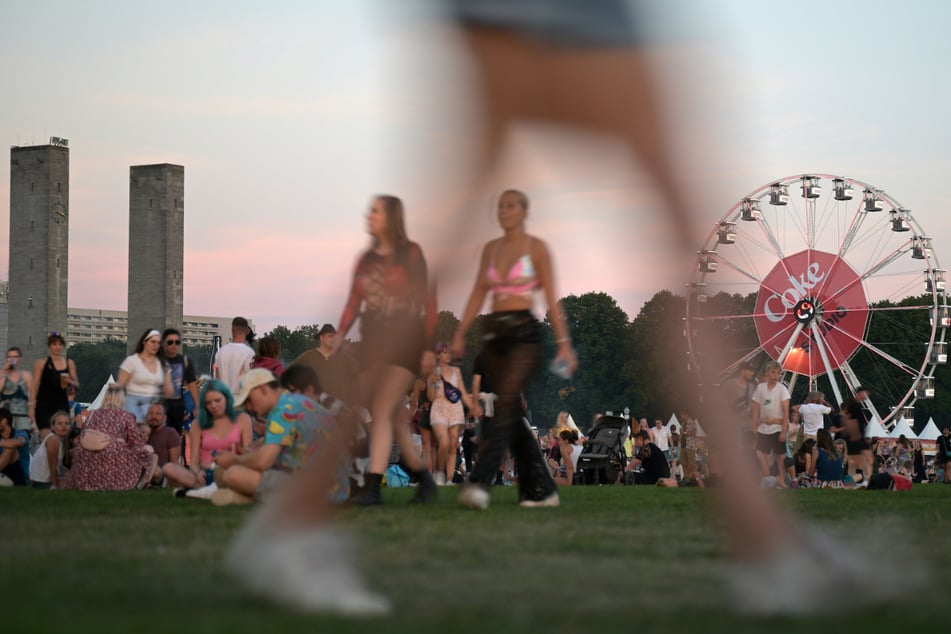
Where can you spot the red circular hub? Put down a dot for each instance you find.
(821, 291)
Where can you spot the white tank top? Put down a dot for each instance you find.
(40, 465)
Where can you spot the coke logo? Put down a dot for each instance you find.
(798, 290)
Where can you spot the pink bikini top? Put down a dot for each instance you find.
(211, 444)
(521, 279)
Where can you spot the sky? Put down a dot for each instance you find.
(289, 116)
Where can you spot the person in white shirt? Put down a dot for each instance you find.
(770, 421)
(660, 436)
(233, 359)
(812, 412)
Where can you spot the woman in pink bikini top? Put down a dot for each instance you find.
(513, 350)
(217, 428)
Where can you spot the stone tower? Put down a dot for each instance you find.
(39, 245)
(156, 247)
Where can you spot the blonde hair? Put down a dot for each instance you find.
(114, 398)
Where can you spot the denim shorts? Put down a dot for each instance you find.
(577, 23)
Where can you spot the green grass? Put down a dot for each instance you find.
(611, 559)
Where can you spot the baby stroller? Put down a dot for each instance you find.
(603, 457)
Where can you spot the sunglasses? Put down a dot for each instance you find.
(172, 342)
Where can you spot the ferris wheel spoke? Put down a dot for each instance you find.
(826, 218)
(820, 345)
(749, 356)
(850, 234)
(890, 309)
(879, 352)
(894, 255)
(777, 249)
(738, 269)
(789, 344)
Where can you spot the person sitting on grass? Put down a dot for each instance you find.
(826, 463)
(800, 465)
(111, 454)
(296, 425)
(164, 440)
(219, 429)
(46, 466)
(14, 452)
(648, 456)
(564, 473)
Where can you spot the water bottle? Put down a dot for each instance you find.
(559, 367)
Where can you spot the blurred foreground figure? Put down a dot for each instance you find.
(287, 552)
(581, 65)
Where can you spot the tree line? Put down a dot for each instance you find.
(640, 363)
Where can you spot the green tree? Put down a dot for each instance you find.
(600, 333)
(95, 362)
(656, 374)
(295, 342)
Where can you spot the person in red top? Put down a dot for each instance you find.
(391, 297)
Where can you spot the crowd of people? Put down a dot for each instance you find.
(142, 435)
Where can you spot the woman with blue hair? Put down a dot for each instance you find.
(219, 428)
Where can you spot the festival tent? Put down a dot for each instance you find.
(97, 402)
(673, 421)
(930, 432)
(875, 429)
(902, 428)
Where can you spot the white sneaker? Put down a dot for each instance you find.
(547, 502)
(475, 497)
(203, 493)
(5, 481)
(309, 571)
(440, 478)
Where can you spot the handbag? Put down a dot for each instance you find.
(451, 391)
(92, 440)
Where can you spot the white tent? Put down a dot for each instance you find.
(680, 428)
(902, 428)
(930, 432)
(875, 429)
(97, 402)
(673, 421)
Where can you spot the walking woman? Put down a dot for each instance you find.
(390, 295)
(447, 393)
(288, 551)
(52, 377)
(512, 269)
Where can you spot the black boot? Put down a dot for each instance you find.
(426, 488)
(370, 495)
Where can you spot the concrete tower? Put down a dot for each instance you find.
(39, 245)
(156, 247)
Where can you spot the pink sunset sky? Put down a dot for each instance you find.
(289, 116)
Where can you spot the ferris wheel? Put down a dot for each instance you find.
(834, 279)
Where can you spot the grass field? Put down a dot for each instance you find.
(611, 559)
